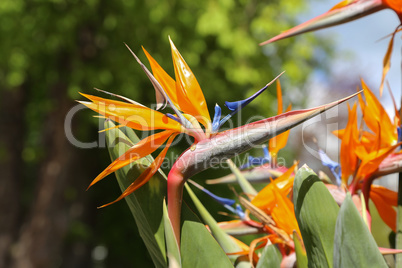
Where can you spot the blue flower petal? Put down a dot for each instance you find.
(257, 161)
(217, 118)
(240, 212)
(266, 152)
(234, 106)
(332, 165)
(171, 116)
(221, 200)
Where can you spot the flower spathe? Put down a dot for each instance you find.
(346, 11)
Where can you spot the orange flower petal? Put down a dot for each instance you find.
(279, 141)
(146, 175)
(385, 209)
(377, 118)
(141, 149)
(396, 5)
(279, 96)
(348, 157)
(339, 133)
(265, 199)
(253, 246)
(134, 116)
(188, 91)
(283, 214)
(371, 161)
(386, 194)
(387, 61)
(167, 82)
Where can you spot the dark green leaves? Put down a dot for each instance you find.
(146, 203)
(198, 247)
(354, 246)
(270, 257)
(316, 213)
(332, 237)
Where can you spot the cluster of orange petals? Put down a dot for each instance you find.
(364, 145)
(184, 93)
(274, 200)
(363, 150)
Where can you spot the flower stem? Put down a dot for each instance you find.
(175, 184)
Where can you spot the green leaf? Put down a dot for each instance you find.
(198, 247)
(270, 257)
(354, 244)
(301, 257)
(224, 240)
(316, 212)
(145, 203)
(173, 251)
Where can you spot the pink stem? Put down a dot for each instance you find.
(175, 184)
(366, 190)
(366, 193)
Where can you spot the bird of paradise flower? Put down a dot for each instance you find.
(364, 150)
(185, 97)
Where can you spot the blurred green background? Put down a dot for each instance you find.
(51, 50)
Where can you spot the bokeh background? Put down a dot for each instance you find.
(51, 50)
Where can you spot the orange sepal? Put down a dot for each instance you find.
(283, 213)
(339, 133)
(265, 198)
(370, 161)
(278, 142)
(348, 157)
(395, 5)
(141, 149)
(167, 82)
(189, 93)
(253, 246)
(387, 58)
(134, 116)
(377, 118)
(384, 200)
(146, 175)
(243, 246)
